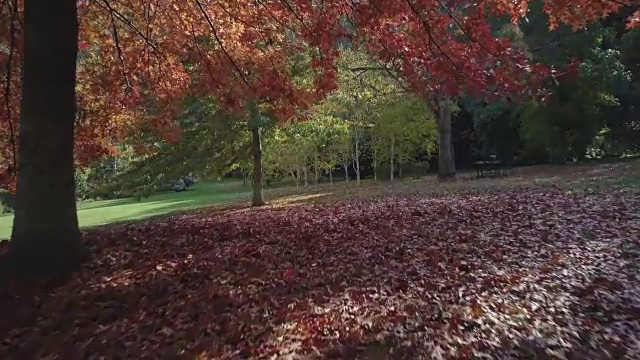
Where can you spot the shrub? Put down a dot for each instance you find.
(82, 183)
(7, 202)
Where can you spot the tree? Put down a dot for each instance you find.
(46, 237)
(142, 57)
(402, 129)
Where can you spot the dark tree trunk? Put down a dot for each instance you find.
(258, 197)
(244, 178)
(46, 238)
(446, 159)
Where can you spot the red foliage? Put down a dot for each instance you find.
(138, 58)
(513, 273)
(634, 20)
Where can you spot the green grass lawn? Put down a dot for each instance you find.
(109, 211)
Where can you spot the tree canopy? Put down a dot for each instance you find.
(138, 59)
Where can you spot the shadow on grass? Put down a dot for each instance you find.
(387, 281)
(184, 202)
(114, 211)
(208, 188)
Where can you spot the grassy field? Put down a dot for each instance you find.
(538, 265)
(110, 211)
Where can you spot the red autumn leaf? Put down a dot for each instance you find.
(189, 286)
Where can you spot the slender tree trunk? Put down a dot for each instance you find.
(45, 239)
(375, 157)
(294, 175)
(316, 167)
(357, 157)
(258, 194)
(346, 172)
(392, 159)
(446, 159)
(400, 170)
(305, 171)
(298, 172)
(331, 168)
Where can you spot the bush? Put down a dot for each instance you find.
(7, 202)
(82, 183)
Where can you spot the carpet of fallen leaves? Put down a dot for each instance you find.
(532, 272)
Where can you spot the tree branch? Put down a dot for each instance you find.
(432, 40)
(128, 22)
(215, 34)
(116, 40)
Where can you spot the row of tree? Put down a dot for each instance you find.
(111, 73)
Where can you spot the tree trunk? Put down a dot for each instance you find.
(45, 239)
(357, 158)
(331, 168)
(391, 159)
(346, 172)
(446, 160)
(298, 173)
(305, 172)
(295, 178)
(375, 157)
(256, 143)
(316, 167)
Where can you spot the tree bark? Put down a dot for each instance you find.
(258, 194)
(446, 159)
(391, 159)
(316, 167)
(375, 156)
(356, 156)
(346, 172)
(331, 168)
(45, 239)
(305, 172)
(298, 173)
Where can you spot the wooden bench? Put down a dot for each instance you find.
(491, 168)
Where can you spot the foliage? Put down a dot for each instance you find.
(497, 126)
(7, 202)
(138, 59)
(566, 124)
(588, 108)
(212, 143)
(364, 112)
(81, 180)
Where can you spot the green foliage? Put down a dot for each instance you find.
(566, 124)
(630, 52)
(578, 114)
(408, 123)
(7, 202)
(355, 122)
(81, 180)
(212, 143)
(497, 126)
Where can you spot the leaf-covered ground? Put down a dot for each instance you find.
(533, 272)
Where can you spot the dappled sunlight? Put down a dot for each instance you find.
(297, 199)
(500, 273)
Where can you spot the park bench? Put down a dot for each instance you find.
(491, 168)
